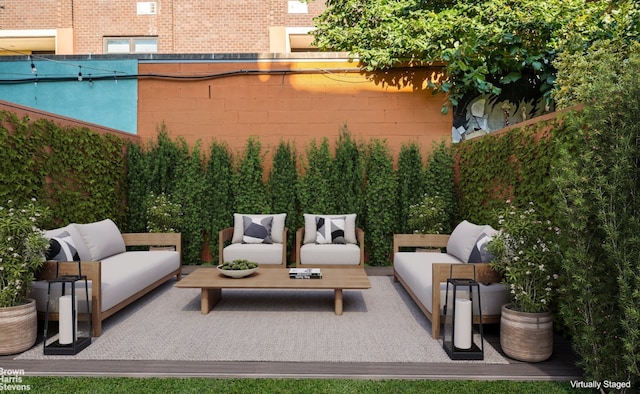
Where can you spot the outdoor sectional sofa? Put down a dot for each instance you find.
(424, 275)
(117, 276)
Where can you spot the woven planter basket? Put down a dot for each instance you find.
(526, 336)
(18, 328)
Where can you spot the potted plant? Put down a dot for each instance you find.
(526, 253)
(22, 253)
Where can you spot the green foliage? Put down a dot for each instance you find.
(138, 175)
(80, 175)
(428, 216)
(314, 183)
(483, 44)
(282, 187)
(380, 202)
(596, 48)
(22, 248)
(189, 194)
(248, 187)
(218, 194)
(597, 179)
(526, 252)
(348, 174)
(410, 175)
(163, 157)
(163, 215)
(440, 181)
(513, 165)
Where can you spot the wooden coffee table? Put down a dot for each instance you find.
(212, 282)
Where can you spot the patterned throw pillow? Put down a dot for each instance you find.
(61, 248)
(256, 230)
(479, 253)
(330, 230)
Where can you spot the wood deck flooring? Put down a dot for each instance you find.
(560, 367)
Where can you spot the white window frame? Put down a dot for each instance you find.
(132, 44)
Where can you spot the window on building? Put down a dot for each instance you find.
(131, 44)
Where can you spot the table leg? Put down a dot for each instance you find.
(208, 299)
(338, 301)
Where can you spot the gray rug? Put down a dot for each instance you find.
(381, 324)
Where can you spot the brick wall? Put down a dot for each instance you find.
(221, 26)
(39, 14)
(296, 107)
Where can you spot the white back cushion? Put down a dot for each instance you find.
(277, 226)
(463, 239)
(310, 228)
(103, 239)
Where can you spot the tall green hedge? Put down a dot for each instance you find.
(218, 194)
(282, 187)
(249, 189)
(380, 202)
(411, 183)
(314, 188)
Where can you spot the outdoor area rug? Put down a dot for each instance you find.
(381, 324)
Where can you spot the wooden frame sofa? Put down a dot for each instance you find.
(117, 279)
(424, 276)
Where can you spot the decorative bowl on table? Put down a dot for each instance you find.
(238, 268)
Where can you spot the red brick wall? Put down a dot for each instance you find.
(294, 107)
(39, 14)
(221, 26)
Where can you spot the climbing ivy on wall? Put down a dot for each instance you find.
(79, 174)
(513, 165)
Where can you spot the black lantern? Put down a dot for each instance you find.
(74, 328)
(462, 298)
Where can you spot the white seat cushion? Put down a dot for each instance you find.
(415, 270)
(258, 253)
(125, 274)
(336, 254)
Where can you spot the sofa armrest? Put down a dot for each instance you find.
(153, 239)
(430, 241)
(224, 236)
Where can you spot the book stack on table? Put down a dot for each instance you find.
(305, 273)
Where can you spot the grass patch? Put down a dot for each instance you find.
(64, 385)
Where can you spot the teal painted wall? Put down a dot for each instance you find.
(110, 99)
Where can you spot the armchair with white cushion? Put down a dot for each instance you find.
(258, 238)
(330, 240)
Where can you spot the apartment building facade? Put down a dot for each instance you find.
(66, 27)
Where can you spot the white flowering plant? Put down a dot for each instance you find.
(22, 250)
(526, 253)
(163, 215)
(428, 216)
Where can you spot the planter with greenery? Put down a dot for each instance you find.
(22, 253)
(526, 253)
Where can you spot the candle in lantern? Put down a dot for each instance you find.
(463, 324)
